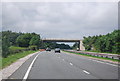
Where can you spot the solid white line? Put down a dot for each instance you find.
(100, 62)
(86, 72)
(105, 63)
(71, 64)
(29, 68)
(111, 64)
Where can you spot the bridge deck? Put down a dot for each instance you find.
(61, 40)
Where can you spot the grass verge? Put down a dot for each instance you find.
(14, 57)
(115, 60)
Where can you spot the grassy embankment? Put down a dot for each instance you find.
(15, 56)
(94, 56)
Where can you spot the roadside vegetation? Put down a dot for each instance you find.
(14, 57)
(13, 42)
(109, 43)
(17, 45)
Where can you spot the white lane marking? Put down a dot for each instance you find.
(105, 63)
(86, 72)
(63, 59)
(58, 57)
(29, 68)
(112, 64)
(96, 61)
(71, 64)
(99, 61)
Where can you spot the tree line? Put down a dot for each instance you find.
(17, 42)
(103, 43)
(54, 45)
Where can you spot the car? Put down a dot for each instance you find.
(57, 50)
(78, 49)
(48, 49)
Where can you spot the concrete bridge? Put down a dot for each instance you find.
(80, 46)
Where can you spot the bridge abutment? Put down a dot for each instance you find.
(81, 47)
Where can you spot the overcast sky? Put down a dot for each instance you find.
(61, 20)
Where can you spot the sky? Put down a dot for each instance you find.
(68, 20)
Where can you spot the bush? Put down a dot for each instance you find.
(33, 47)
(14, 49)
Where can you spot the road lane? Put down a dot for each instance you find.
(19, 74)
(50, 65)
(97, 68)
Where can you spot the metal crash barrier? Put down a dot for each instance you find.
(105, 55)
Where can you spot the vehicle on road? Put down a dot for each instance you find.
(48, 49)
(77, 49)
(57, 50)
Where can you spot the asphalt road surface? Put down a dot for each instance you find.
(51, 65)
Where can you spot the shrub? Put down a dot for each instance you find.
(33, 47)
(14, 49)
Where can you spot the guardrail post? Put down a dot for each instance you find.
(112, 57)
(106, 56)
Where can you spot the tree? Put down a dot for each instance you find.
(5, 46)
(75, 46)
(23, 40)
(11, 36)
(104, 43)
(35, 40)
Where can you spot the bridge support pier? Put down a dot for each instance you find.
(81, 47)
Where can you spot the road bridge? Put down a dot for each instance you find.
(80, 46)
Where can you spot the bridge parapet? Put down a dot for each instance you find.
(62, 40)
(81, 47)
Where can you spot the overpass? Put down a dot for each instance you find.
(80, 46)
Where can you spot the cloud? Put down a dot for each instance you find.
(61, 20)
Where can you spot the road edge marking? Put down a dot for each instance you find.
(29, 68)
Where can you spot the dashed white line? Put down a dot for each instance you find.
(86, 72)
(71, 64)
(29, 68)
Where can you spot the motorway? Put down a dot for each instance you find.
(51, 65)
